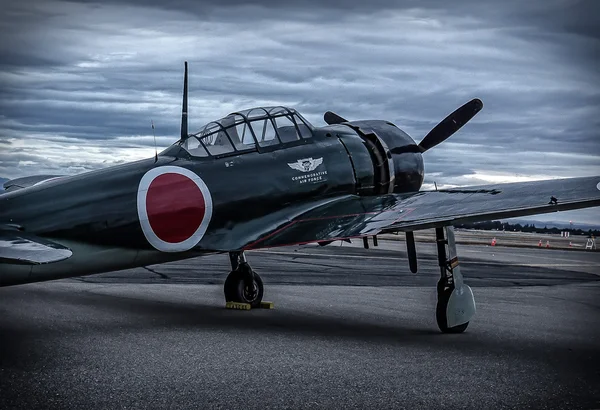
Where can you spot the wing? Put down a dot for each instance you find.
(353, 216)
(455, 206)
(22, 248)
(296, 166)
(316, 163)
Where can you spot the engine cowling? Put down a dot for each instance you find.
(397, 160)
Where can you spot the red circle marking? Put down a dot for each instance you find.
(175, 207)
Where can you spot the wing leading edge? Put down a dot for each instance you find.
(455, 206)
(360, 216)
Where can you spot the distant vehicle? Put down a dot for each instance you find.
(260, 178)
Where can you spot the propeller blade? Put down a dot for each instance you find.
(451, 124)
(332, 118)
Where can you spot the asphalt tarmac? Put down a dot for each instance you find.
(351, 328)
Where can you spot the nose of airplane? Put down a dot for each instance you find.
(395, 152)
(394, 146)
(409, 171)
(405, 155)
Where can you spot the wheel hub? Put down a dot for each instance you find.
(250, 292)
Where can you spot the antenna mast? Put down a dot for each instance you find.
(184, 108)
(155, 147)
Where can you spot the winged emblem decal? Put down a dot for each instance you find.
(306, 164)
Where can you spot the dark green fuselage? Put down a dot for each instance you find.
(253, 193)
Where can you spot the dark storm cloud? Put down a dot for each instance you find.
(86, 78)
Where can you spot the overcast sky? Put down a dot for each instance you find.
(80, 81)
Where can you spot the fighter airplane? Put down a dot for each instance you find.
(259, 178)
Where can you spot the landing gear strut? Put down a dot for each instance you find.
(455, 305)
(243, 285)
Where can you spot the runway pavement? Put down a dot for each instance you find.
(351, 328)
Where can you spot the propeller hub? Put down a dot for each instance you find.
(397, 158)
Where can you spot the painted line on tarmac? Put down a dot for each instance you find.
(552, 265)
(529, 255)
(329, 255)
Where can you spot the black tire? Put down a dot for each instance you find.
(440, 314)
(235, 289)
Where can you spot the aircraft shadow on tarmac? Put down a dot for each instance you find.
(139, 316)
(477, 274)
(354, 266)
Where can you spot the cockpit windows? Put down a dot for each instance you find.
(286, 129)
(241, 135)
(285, 119)
(256, 113)
(215, 139)
(241, 131)
(304, 129)
(194, 147)
(265, 132)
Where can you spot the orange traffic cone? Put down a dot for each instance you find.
(493, 242)
(547, 244)
(570, 244)
(540, 243)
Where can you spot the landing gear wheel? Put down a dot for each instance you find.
(440, 313)
(238, 289)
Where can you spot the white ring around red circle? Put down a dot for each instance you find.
(151, 237)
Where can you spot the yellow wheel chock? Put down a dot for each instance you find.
(247, 306)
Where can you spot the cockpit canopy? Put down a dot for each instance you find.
(244, 130)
